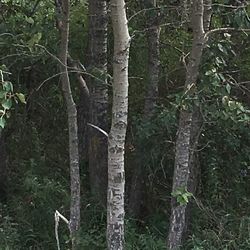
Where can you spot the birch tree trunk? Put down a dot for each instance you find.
(116, 139)
(63, 25)
(97, 56)
(186, 138)
(137, 195)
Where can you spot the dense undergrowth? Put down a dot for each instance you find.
(220, 215)
(36, 138)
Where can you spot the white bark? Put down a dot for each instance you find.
(116, 139)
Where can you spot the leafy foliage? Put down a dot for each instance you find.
(36, 135)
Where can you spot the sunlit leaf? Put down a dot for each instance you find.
(7, 104)
(8, 86)
(21, 97)
(228, 88)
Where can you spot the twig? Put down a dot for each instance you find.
(99, 129)
(81, 80)
(57, 219)
(70, 71)
(34, 8)
(211, 32)
(7, 34)
(230, 6)
(52, 55)
(149, 9)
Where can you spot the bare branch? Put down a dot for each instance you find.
(80, 79)
(229, 6)
(211, 32)
(7, 34)
(99, 129)
(57, 219)
(52, 55)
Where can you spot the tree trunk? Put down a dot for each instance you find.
(136, 196)
(116, 139)
(187, 138)
(3, 168)
(153, 40)
(63, 8)
(197, 117)
(97, 56)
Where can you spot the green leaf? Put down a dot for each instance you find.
(35, 39)
(182, 195)
(222, 48)
(228, 88)
(2, 122)
(219, 61)
(7, 104)
(21, 97)
(3, 94)
(232, 105)
(8, 86)
(29, 20)
(185, 198)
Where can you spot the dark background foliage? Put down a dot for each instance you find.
(36, 180)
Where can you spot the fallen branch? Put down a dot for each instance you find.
(57, 219)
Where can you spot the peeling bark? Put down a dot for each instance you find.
(63, 8)
(116, 139)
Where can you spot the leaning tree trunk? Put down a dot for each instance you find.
(186, 140)
(116, 138)
(63, 8)
(136, 196)
(197, 120)
(97, 65)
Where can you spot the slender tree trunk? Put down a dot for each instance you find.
(136, 196)
(116, 139)
(82, 120)
(153, 40)
(186, 138)
(97, 56)
(197, 118)
(3, 168)
(63, 25)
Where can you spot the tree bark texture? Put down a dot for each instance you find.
(74, 224)
(197, 117)
(82, 120)
(153, 40)
(136, 196)
(116, 139)
(3, 168)
(188, 132)
(97, 54)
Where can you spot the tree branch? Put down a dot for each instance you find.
(213, 31)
